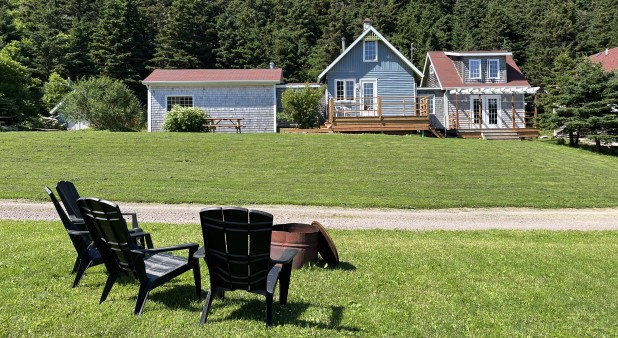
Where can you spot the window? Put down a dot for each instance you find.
(345, 90)
(493, 68)
(370, 51)
(492, 111)
(183, 101)
(431, 70)
(474, 69)
(476, 106)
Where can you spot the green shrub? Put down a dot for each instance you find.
(104, 103)
(185, 119)
(302, 106)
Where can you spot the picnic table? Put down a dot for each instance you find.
(5, 119)
(212, 123)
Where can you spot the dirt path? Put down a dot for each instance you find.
(345, 218)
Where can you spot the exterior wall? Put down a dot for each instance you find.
(437, 116)
(505, 113)
(255, 104)
(461, 64)
(393, 76)
(432, 81)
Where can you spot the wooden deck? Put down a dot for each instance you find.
(363, 124)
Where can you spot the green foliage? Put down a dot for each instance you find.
(185, 119)
(104, 103)
(15, 90)
(55, 90)
(303, 106)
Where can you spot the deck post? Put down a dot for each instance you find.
(536, 101)
(480, 112)
(331, 110)
(513, 108)
(380, 107)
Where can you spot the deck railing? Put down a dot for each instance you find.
(514, 114)
(379, 106)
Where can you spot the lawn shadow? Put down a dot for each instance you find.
(346, 266)
(177, 296)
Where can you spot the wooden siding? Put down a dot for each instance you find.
(437, 116)
(393, 76)
(254, 104)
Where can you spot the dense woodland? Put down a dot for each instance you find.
(126, 39)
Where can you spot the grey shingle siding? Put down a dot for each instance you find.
(255, 104)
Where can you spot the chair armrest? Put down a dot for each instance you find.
(190, 246)
(286, 256)
(133, 219)
(200, 253)
(78, 232)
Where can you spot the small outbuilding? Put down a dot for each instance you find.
(248, 94)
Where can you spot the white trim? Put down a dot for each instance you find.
(360, 38)
(364, 50)
(298, 85)
(274, 108)
(478, 53)
(149, 110)
(345, 88)
(209, 83)
(480, 76)
(497, 61)
(374, 82)
(485, 112)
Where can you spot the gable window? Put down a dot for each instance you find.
(345, 90)
(183, 101)
(493, 68)
(370, 51)
(431, 70)
(474, 69)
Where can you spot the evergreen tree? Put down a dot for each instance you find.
(8, 32)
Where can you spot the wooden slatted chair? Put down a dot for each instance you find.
(69, 195)
(237, 252)
(87, 253)
(152, 267)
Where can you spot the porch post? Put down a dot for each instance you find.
(380, 107)
(536, 101)
(480, 112)
(456, 111)
(331, 110)
(513, 108)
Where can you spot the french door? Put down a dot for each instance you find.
(488, 107)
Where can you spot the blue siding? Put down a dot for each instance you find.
(393, 75)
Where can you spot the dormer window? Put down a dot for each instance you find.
(493, 68)
(474, 69)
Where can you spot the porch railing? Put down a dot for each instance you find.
(514, 114)
(379, 106)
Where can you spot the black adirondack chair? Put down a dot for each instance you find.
(87, 253)
(69, 196)
(152, 267)
(237, 252)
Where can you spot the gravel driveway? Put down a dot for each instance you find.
(347, 218)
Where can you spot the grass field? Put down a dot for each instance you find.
(329, 170)
(391, 284)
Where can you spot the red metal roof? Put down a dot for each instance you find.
(609, 61)
(449, 78)
(215, 75)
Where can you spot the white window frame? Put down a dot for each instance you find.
(346, 96)
(470, 62)
(496, 64)
(365, 42)
(431, 70)
(167, 97)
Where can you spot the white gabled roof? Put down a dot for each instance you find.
(360, 38)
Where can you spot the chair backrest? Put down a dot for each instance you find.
(69, 196)
(80, 242)
(237, 247)
(105, 222)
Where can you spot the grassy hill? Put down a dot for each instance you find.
(330, 170)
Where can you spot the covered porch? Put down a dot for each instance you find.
(493, 113)
(389, 114)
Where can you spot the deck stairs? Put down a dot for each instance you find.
(495, 135)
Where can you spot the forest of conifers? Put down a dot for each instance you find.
(126, 39)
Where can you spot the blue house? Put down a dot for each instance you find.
(371, 86)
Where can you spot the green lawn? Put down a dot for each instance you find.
(329, 170)
(391, 283)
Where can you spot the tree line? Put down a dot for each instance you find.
(127, 39)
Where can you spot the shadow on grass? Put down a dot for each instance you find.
(177, 297)
(346, 266)
(288, 314)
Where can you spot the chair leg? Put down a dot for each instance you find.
(284, 283)
(206, 307)
(269, 309)
(76, 265)
(81, 270)
(111, 279)
(197, 277)
(144, 290)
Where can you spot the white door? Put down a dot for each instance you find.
(491, 111)
(369, 97)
